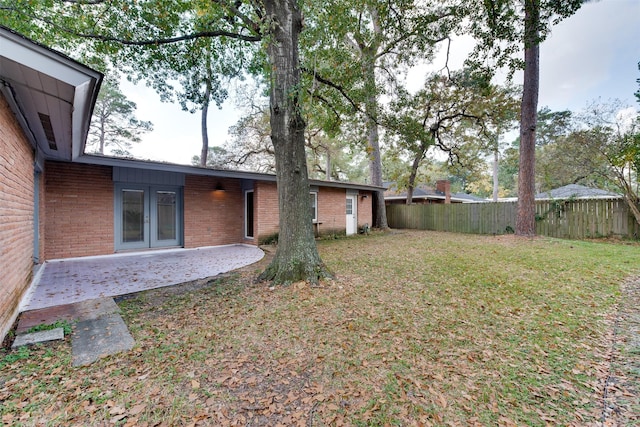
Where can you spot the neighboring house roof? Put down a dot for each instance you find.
(576, 191)
(51, 95)
(424, 192)
(468, 198)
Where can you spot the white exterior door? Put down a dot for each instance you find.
(147, 217)
(352, 214)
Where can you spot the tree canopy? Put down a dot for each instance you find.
(455, 113)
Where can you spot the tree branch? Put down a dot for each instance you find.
(326, 101)
(85, 2)
(329, 83)
(170, 40)
(233, 8)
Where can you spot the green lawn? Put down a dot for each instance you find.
(419, 328)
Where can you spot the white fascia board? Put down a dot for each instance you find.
(84, 100)
(86, 81)
(41, 59)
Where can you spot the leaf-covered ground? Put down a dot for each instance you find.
(419, 328)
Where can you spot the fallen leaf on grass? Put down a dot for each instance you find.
(222, 379)
(132, 423)
(117, 418)
(442, 401)
(137, 409)
(117, 410)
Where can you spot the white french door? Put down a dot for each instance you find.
(147, 216)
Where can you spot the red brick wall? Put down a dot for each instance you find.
(16, 216)
(365, 213)
(212, 217)
(79, 210)
(265, 199)
(332, 210)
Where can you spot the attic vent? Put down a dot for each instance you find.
(48, 131)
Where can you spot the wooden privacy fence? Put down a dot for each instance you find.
(567, 219)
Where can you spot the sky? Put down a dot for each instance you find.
(592, 55)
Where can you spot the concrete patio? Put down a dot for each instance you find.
(68, 281)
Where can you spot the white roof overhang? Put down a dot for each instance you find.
(51, 95)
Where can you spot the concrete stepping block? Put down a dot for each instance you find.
(38, 337)
(96, 338)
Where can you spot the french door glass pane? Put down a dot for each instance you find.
(349, 206)
(132, 216)
(166, 204)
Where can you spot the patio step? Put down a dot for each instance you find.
(79, 311)
(98, 328)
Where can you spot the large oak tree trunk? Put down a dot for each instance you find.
(373, 144)
(526, 221)
(297, 256)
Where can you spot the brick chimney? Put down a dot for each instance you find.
(443, 186)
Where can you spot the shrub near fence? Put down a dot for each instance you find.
(568, 219)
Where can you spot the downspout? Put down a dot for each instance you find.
(38, 168)
(36, 215)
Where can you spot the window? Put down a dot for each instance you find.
(349, 206)
(314, 206)
(248, 215)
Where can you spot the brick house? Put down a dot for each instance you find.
(56, 202)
